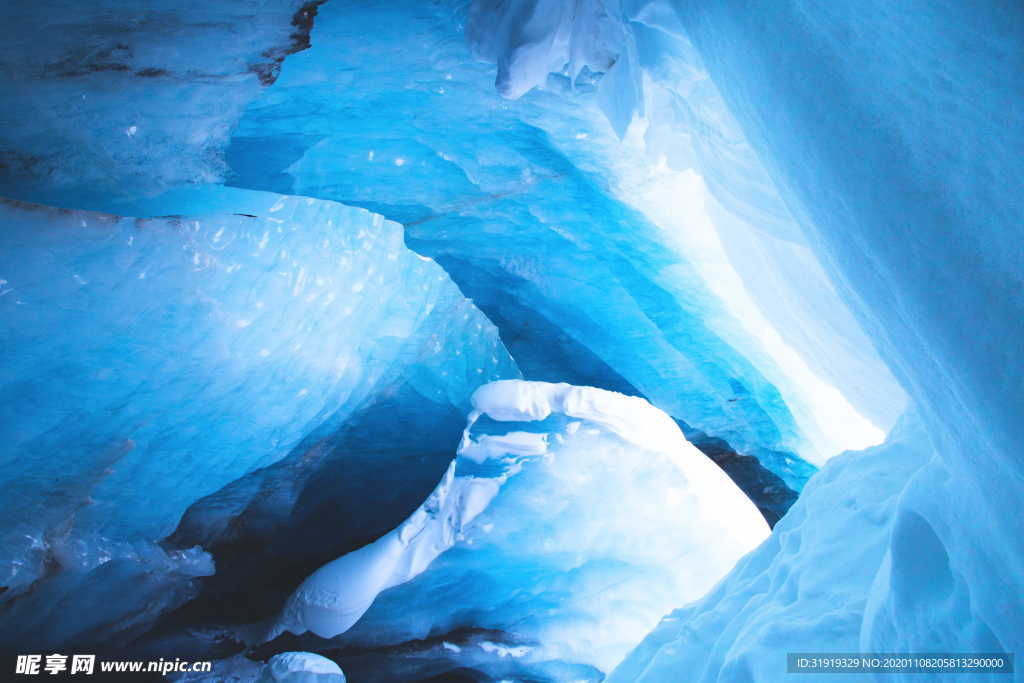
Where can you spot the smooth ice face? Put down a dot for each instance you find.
(572, 519)
(152, 361)
(685, 163)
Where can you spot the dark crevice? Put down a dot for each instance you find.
(302, 23)
(333, 494)
(763, 487)
(544, 351)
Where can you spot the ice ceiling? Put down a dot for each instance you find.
(473, 339)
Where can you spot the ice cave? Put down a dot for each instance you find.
(637, 341)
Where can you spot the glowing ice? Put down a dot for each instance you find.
(558, 493)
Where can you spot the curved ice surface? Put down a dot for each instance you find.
(529, 40)
(568, 239)
(573, 497)
(630, 418)
(686, 164)
(901, 176)
(286, 667)
(149, 362)
(96, 592)
(806, 587)
(746, 230)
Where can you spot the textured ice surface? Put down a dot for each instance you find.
(150, 362)
(551, 226)
(685, 163)
(569, 240)
(927, 255)
(95, 592)
(529, 40)
(755, 215)
(931, 253)
(122, 97)
(328, 497)
(570, 522)
(301, 667)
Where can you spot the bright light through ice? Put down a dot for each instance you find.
(675, 202)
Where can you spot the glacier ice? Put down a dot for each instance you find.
(778, 597)
(762, 383)
(932, 277)
(301, 667)
(122, 98)
(74, 600)
(791, 227)
(531, 223)
(192, 351)
(561, 496)
(687, 166)
(530, 40)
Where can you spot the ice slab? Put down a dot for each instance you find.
(152, 361)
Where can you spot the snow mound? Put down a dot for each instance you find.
(564, 496)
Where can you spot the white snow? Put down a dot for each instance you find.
(300, 667)
(614, 501)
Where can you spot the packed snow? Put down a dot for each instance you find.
(607, 499)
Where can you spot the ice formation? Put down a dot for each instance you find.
(735, 630)
(920, 264)
(564, 496)
(630, 239)
(530, 223)
(96, 95)
(194, 351)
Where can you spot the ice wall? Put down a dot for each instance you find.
(527, 206)
(153, 361)
(899, 142)
(687, 165)
(891, 135)
(778, 222)
(329, 496)
(567, 239)
(806, 588)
